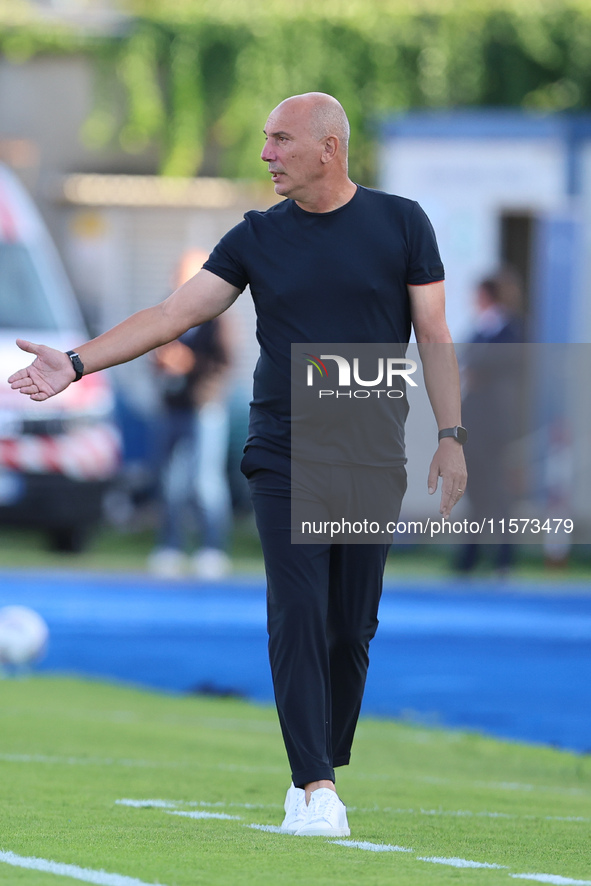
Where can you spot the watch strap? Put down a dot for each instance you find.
(77, 364)
(458, 433)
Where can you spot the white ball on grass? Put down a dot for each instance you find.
(23, 636)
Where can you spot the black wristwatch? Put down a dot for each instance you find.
(77, 364)
(458, 433)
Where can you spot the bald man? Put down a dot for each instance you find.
(333, 262)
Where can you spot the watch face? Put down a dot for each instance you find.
(461, 434)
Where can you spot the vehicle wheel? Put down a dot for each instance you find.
(69, 540)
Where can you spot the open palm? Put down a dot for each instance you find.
(50, 373)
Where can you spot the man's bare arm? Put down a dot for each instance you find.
(443, 387)
(201, 298)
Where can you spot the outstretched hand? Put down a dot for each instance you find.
(449, 464)
(50, 373)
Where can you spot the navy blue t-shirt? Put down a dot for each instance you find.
(336, 276)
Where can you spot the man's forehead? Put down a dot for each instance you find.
(287, 118)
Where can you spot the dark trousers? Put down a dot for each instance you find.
(322, 605)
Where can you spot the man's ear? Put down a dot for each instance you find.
(331, 146)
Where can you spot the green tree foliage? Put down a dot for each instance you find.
(198, 78)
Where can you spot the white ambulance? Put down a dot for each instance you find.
(57, 458)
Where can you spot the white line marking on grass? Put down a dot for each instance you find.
(168, 807)
(461, 862)
(488, 785)
(143, 764)
(506, 785)
(221, 815)
(518, 786)
(270, 828)
(42, 758)
(466, 813)
(86, 761)
(101, 878)
(370, 847)
(551, 878)
(173, 804)
(148, 804)
(461, 813)
(238, 805)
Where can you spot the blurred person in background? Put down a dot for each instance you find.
(491, 408)
(192, 375)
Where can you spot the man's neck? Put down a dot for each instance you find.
(329, 198)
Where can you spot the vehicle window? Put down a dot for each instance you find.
(23, 300)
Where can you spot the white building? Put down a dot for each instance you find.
(503, 187)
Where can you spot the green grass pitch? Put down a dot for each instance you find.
(71, 749)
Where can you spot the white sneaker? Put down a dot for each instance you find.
(211, 564)
(295, 810)
(167, 563)
(326, 816)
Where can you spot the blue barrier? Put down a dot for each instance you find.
(512, 664)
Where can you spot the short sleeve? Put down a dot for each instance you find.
(424, 261)
(225, 260)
